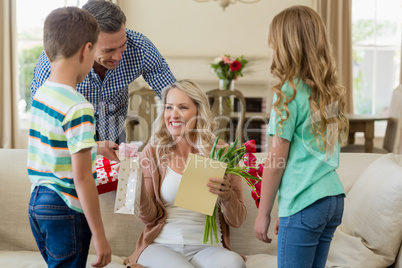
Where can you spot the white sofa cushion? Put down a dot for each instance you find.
(371, 231)
(33, 259)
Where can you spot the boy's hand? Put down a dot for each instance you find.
(261, 227)
(107, 149)
(103, 252)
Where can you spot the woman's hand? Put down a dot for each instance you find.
(221, 187)
(132, 264)
(107, 149)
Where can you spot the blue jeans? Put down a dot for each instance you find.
(62, 234)
(304, 238)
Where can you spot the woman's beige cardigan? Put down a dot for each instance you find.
(152, 212)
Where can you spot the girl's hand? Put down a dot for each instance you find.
(276, 229)
(221, 187)
(107, 149)
(261, 227)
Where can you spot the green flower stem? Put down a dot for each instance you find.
(240, 173)
(214, 228)
(211, 154)
(249, 184)
(206, 230)
(210, 229)
(210, 220)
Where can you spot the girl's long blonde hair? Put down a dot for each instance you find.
(302, 52)
(203, 133)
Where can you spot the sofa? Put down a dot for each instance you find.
(370, 235)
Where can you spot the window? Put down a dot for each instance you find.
(376, 41)
(30, 18)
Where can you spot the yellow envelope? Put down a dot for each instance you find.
(193, 193)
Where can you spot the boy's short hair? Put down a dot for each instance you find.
(66, 30)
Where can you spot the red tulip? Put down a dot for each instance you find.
(252, 172)
(235, 66)
(260, 169)
(249, 159)
(256, 193)
(250, 146)
(257, 203)
(258, 187)
(256, 198)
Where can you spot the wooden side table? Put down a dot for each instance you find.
(365, 124)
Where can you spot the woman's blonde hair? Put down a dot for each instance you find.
(203, 133)
(302, 52)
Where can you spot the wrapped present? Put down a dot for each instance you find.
(107, 173)
(129, 187)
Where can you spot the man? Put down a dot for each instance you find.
(121, 56)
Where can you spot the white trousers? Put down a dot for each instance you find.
(159, 255)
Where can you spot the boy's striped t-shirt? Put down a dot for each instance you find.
(62, 123)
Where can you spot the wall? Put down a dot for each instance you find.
(191, 34)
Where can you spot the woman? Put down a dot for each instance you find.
(173, 236)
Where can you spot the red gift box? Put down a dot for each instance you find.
(107, 173)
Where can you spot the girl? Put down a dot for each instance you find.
(307, 124)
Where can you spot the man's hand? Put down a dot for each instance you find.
(107, 149)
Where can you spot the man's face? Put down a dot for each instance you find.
(110, 48)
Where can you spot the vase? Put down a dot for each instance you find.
(226, 103)
(225, 84)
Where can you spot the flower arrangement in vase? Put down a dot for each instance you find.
(228, 69)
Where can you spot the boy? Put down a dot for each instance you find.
(64, 207)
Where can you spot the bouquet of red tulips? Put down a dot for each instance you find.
(232, 157)
(250, 161)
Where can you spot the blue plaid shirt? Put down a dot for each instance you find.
(110, 96)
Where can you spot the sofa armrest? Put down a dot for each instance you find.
(398, 260)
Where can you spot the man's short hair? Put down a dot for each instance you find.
(66, 30)
(109, 15)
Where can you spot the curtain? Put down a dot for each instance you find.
(337, 16)
(9, 137)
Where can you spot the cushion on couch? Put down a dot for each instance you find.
(33, 259)
(371, 232)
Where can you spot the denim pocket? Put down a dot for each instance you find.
(316, 215)
(61, 237)
(56, 222)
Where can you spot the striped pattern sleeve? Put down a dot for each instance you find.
(78, 125)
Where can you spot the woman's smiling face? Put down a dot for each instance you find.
(180, 113)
